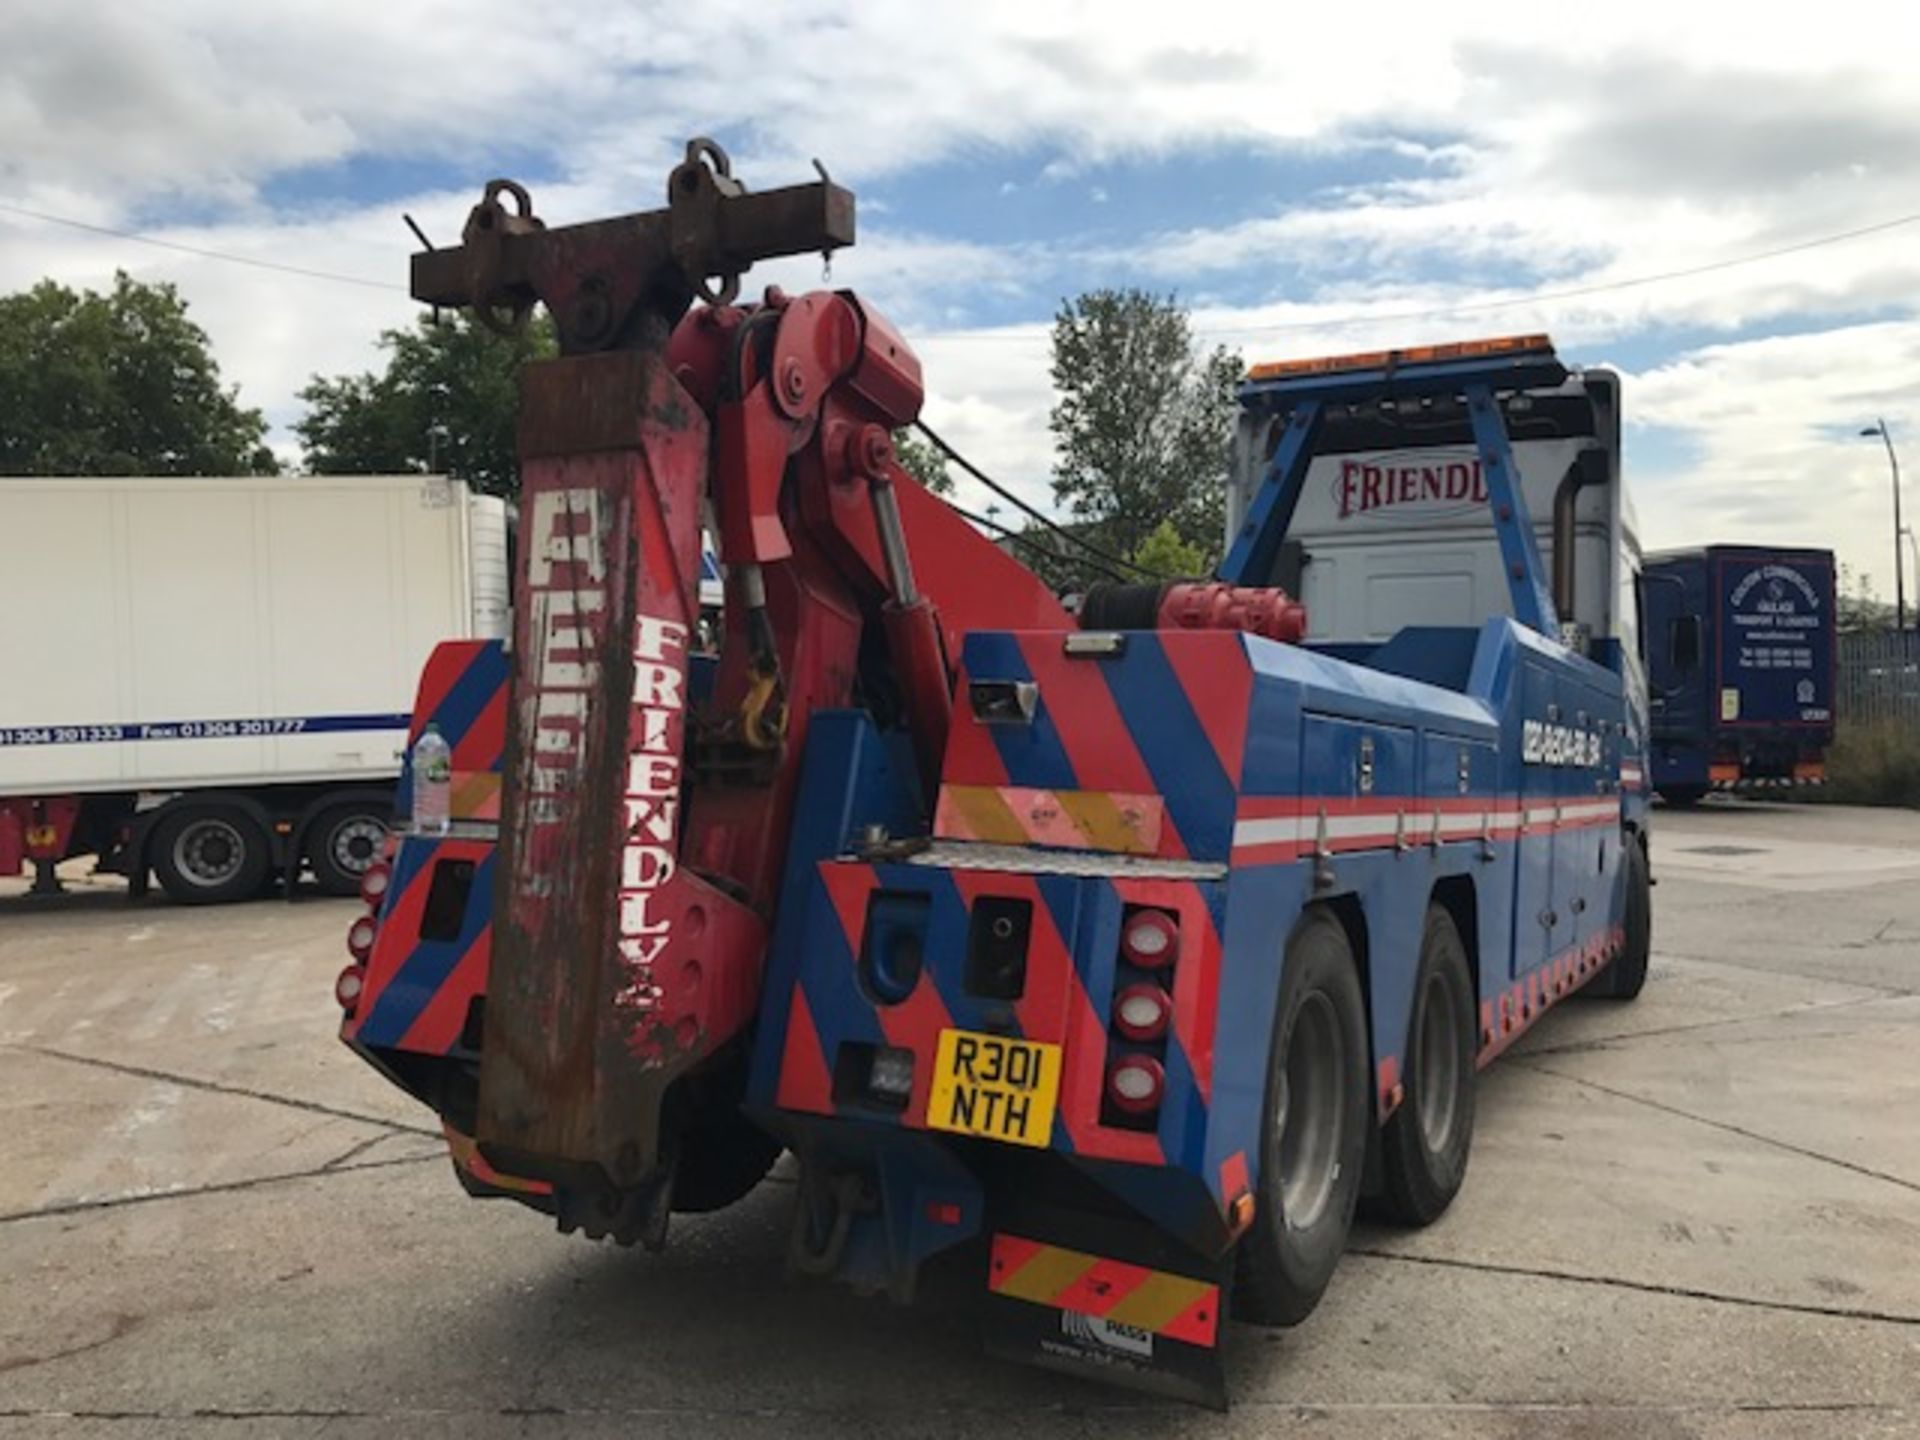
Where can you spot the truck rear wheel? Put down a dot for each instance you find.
(208, 854)
(720, 1164)
(342, 843)
(1626, 977)
(1314, 1129)
(1424, 1145)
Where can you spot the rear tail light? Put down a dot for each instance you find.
(360, 937)
(347, 989)
(1135, 1083)
(1150, 939)
(373, 885)
(1141, 1012)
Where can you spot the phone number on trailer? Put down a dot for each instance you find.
(174, 730)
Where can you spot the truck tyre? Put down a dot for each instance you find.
(1314, 1129)
(343, 842)
(208, 854)
(1682, 797)
(720, 1164)
(1627, 975)
(1424, 1144)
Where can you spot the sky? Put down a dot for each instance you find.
(1307, 181)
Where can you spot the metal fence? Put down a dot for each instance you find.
(1879, 678)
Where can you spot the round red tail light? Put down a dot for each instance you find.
(360, 937)
(347, 989)
(1135, 1083)
(1150, 939)
(373, 884)
(1141, 1012)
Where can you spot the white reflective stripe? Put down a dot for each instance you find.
(1359, 827)
(1415, 822)
(1276, 831)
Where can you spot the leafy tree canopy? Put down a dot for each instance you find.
(923, 460)
(121, 383)
(1142, 422)
(448, 402)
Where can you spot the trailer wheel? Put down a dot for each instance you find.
(342, 843)
(208, 854)
(1424, 1144)
(1314, 1129)
(1626, 977)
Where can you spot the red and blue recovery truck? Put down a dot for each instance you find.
(1114, 953)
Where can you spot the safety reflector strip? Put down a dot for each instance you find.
(475, 795)
(1156, 1301)
(1068, 819)
(466, 1154)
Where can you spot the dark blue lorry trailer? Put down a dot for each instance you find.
(1740, 647)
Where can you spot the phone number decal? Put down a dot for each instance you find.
(11, 735)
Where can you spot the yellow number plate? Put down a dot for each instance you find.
(994, 1086)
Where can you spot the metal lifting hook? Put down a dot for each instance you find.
(703, 150)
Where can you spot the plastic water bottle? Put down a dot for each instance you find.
(432, 783)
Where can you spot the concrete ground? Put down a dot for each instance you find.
(1698, 1215)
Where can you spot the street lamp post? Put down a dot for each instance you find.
(1879, 428)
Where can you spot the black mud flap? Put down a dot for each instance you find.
(1111, 1301)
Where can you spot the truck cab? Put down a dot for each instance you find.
(1741, 643)
(1391, 528)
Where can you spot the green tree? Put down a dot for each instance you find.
(1142, 423)
(923, 460)
(121, 383)
(1858, 607)
(1164, 553)
(448, 401)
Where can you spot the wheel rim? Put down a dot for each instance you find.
(354, 843)
(209, 852)
(1437, 1066)
(1310, 1117)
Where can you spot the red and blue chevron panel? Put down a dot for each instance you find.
(429, 959)
(1168, 722)
(1072, 965)
(1279, 775)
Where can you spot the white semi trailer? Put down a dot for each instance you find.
(208, 680)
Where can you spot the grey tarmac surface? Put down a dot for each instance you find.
(1698, 1215)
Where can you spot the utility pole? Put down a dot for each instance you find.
(1879, 428)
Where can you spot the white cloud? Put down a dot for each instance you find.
(1771, 433)
(1658, 137)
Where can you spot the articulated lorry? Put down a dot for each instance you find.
(208, 680)
(1741, 652)
(1110, 957)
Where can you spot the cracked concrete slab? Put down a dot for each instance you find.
(1839, 1081)
(1689, 997)
(238, 996)
(1582, 1286)
(1861, 934)
(374, 1310)
(80, 1135)
(1568, 1178)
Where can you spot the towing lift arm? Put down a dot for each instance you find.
(647, 792)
